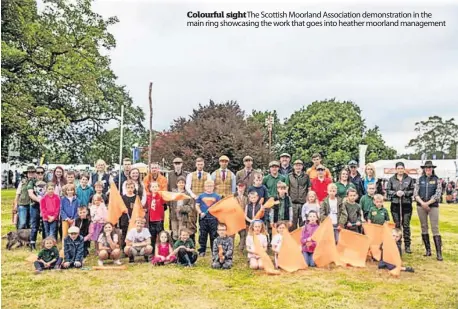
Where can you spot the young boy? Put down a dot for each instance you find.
(332, 206)
(184, 249)
(138, 241)
(84, 191)
(259, 188)
(70, 177)
(185, 212)
(73, 248)
(353, 211)
(98, 188)
(208, 224)
(129, 200)
(252, 208)
(367, 201)
(83, 223)
(282, 211)
(223, 249)
(242, 199)
(397, 234)
(378, 214)
(155, 204)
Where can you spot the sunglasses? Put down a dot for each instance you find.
(73, 233)
(320, 170)
(40, 173)
(178, 163)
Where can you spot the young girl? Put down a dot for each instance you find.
(98, 212)
(311, 204)
(277, 239)
(58, 180)
(308, 245)
(257, 229)
(108, 245)
(50, 208)
(68, 208)
(48, 257)
(164, 251)
(98, 187)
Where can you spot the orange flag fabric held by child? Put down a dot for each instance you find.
(229, 212)
(297, 234)
(352, 248)
(390, 250)
(326, 250)
(266, 261)
(173, 196)
(137, 212)
(375, 234)
(116, 206)
(269, 204)
(290, 257)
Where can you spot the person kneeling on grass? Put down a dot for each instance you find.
(109, 245)
(164, 252)
(257, 229)
(397, 234)
(138, 241)
(184, 249)
(73, 248)
(223, 249)
(48, 257)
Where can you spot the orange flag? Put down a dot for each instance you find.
(116, 206)
(390, 250)
(326, 250)
(266, 261)
(269, 204)
(297, 234)
(32, 258)
(375, 234)
(290, 257)
(137, 212)
(173, 196)
(353, 248)
(229, 212)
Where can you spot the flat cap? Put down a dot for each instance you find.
(247, 158)
(177, 160)
(285, 155)
(224, 158)
(298, 162)
(274, 163)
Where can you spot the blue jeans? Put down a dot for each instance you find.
(309, 259)
(22, 216)
(50, 228)
(34, 222)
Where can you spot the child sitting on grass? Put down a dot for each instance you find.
(185, 250)
(73, 249)
(48, 257)
(109, 245)
(257, 229)
(164, 252)
(277, 239)
(378, 214)
(397, 234)
(308, 245)
(223, 249)
(138, 241)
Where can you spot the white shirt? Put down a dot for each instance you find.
(276, 241)
(136, 237)
(189, 181)
(333, 210)
(233, 181)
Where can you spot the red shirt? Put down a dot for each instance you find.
(321, 188)
(155, 206)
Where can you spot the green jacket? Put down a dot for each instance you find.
(342, 189)
(48, 255)
(378, 216)
(271, 183)
(325, 210)
(353, 212)
(366, 202)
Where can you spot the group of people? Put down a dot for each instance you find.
(302, 198)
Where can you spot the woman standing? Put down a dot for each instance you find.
(134, 175)
(101, 175)
(370, 177)
(344, 184)
(427, 193)
(58, 180)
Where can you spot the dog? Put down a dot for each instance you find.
(17, 238)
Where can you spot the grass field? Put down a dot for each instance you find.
(433, 285)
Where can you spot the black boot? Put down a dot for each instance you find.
(438, 244)
(32, 246)
(425, 238)
(407, 248)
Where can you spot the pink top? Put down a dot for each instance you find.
(50, 206)
(98, 213)
(164, 250)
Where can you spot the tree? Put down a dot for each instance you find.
(335, 130)
(435, 136)
(211, 131)
(376, 146)
(58, 91)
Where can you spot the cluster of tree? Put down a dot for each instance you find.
(58, 91)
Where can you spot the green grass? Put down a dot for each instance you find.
(433, 285)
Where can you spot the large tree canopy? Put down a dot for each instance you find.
(211, 131)
(335, 130)
(58, 91)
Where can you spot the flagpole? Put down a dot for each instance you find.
(120, 148)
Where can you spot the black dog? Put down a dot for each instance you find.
(17, 238)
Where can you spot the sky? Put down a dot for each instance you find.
(398, 76)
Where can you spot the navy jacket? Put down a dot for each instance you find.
(74, 249)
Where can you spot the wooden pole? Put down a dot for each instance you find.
(150, 153)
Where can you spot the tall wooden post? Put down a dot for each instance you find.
(150, 153)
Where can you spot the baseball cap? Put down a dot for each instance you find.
(320, 167)
(353, 163)
(74, 229)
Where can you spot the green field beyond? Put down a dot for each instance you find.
(433, 285)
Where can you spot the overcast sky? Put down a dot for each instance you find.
(397, 76)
